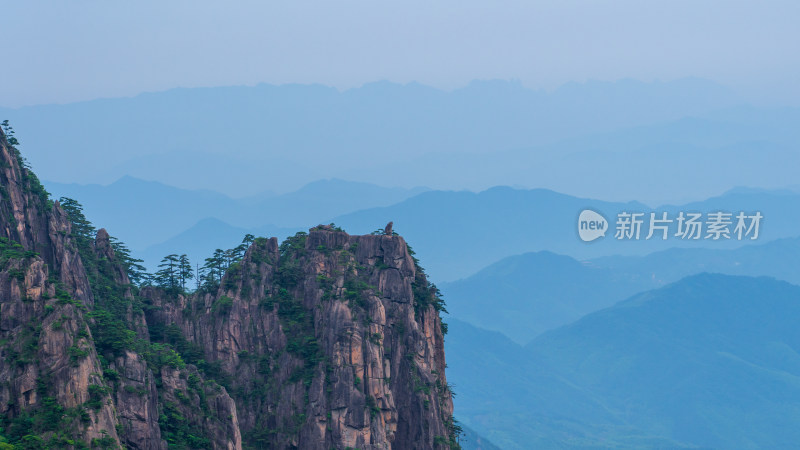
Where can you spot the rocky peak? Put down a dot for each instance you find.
(326, 340)
(50, 371)
(105, 252)
(340, 335)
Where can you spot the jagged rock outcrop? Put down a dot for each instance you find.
(136, 399)
(47, 361)
(76, 365)
(325, 341)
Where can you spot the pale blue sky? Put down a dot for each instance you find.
(57, 51)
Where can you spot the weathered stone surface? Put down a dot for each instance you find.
(205, 407)
(136, 398)
(320, 344)
(377, 380)
(41, 334)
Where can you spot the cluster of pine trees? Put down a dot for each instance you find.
(175, 272)
(209, 275)
(83, 231)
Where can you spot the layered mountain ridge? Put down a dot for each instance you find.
(325, 341)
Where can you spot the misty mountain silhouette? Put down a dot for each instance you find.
(147, 213)
(524, 295)
(244, 140)
(709, 361)
(459, 233)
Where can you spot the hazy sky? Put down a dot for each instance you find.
(61, 51)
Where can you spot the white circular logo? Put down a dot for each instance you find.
(591, 225)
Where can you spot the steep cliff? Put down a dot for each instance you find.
(52, 387)
(329, 340)
(324, 341)
(77, 369)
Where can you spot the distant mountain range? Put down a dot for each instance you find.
(779, 259)
(459, 233)
(524, 295)
(200, 241)
(496, 223)
(245, 140)
(710, 361)
(146, 213)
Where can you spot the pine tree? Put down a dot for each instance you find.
(216, 265)
(185, 271)
(81, 227)
(137, 273)
(227, 258)
(238, 251)
(214, 268)
(8, 130)
(200, 275)
(167, 276)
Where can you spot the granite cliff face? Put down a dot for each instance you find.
(324, 341)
